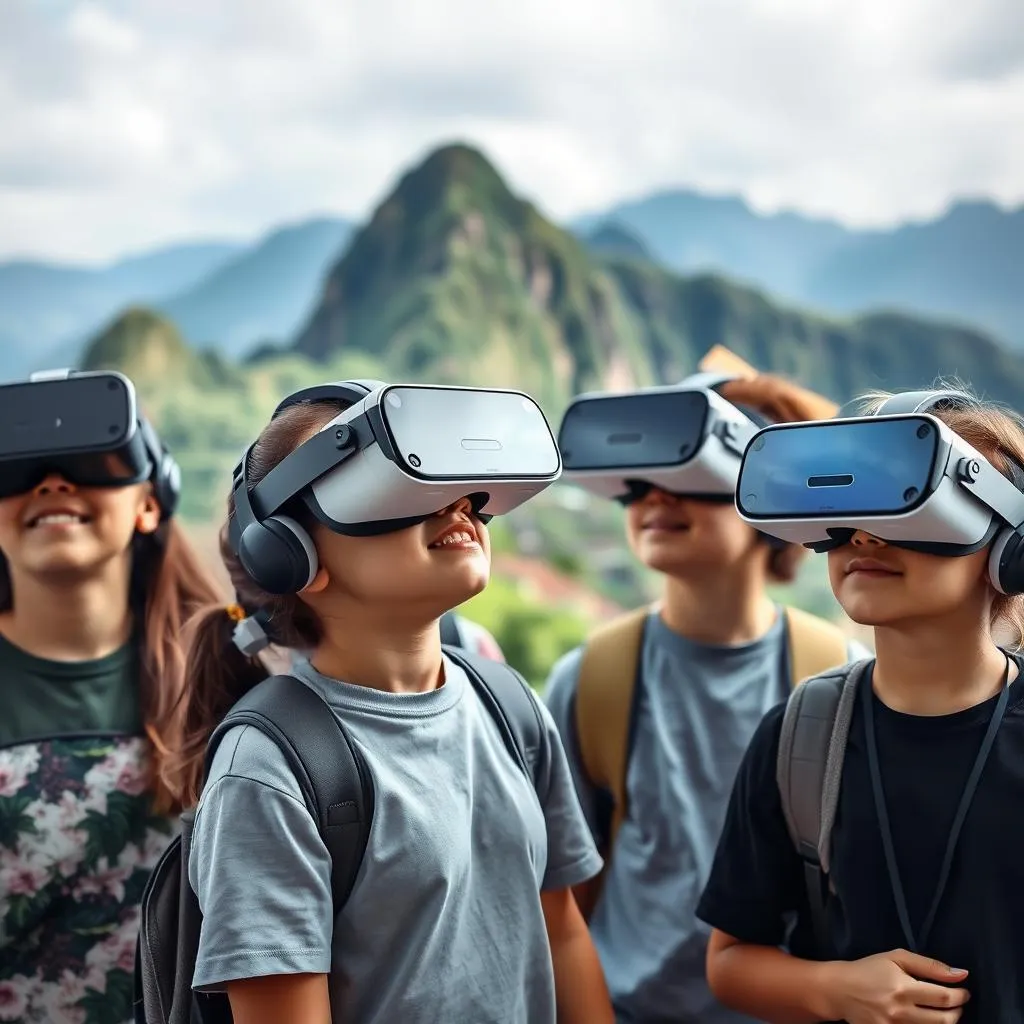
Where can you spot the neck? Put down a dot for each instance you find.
(723, 608)
(937, 668)
(69, 621)
(382, 655)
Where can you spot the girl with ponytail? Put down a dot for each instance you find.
(463, 908)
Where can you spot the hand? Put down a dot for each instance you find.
(897, 988)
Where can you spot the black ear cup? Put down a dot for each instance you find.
(278, 554)
(1006, 562)
(167, 485)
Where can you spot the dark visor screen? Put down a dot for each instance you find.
(56, 416)
(878, 467)
(627, 431)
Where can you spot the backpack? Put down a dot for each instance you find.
(609, 686)
(809, 771)
(338, 791)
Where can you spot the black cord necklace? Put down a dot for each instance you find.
(866, 696)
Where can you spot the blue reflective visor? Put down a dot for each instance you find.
(907, 479)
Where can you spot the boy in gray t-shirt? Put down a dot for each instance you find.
(713, 660)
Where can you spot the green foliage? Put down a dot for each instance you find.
(533, 635)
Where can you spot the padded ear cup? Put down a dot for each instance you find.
(278, 555)
(167, 484)
(1006, 562)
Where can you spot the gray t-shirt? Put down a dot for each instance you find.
(699, 706)
(444, 921)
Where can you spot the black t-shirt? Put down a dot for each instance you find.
(757, 882)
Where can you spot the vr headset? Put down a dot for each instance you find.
(901, 475)
(685, 439)
(86, 427)
(396, 456)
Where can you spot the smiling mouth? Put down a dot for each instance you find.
(664, 527)
(455, 539)
(57, 519)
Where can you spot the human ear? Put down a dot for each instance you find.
(148, 517)
(318, 583)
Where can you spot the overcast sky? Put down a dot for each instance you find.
(128, 123)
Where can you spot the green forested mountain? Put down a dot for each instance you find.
(454, 278)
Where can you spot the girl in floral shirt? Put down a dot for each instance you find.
(95, 583)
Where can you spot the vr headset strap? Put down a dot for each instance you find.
(609, 685)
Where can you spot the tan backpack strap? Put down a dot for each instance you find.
(604, 704)
(815, 645)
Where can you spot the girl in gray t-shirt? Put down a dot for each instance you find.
(462, 909)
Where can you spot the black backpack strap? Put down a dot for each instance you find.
(451, 635)
(334, 777)
(507, 697)
(812, 749)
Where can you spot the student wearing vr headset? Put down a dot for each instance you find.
(656, 709)
(96, 581)
(875, 830)
(356, 520)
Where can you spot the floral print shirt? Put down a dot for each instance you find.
(77, 843)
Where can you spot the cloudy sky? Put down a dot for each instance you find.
(127, 123)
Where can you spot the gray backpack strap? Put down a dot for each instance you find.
(812, 748)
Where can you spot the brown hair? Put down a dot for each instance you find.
(218, 673)
(780, 401)
(168, 584)
(998, 433)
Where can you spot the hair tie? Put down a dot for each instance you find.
(235, 612)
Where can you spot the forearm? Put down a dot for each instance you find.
(581, 994)
(769, 984)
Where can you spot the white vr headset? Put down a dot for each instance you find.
(396, 456)
(684, 438)
(901, 475)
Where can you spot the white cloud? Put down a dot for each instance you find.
(129, 123)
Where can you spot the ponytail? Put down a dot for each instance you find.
(217, 674)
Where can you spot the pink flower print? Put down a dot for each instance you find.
(23, 877)
(12, 777)
(133, 778)
(13, 998)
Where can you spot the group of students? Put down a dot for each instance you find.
(722, 810)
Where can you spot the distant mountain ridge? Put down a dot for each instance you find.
(45, 308)
(228, 295)
(966, 265)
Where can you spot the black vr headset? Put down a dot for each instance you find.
(685, 439)
(901, 475)
(86, 427)
(395, 457)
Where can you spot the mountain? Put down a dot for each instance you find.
(695, 232)
(612, 239)
(967, 265)
(264, 293)
(456, 279)
(46, 309)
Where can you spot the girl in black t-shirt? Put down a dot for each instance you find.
(940, 683)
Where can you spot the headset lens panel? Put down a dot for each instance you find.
(647, 430)
(81, 427)
(469, 434)
(869, 467)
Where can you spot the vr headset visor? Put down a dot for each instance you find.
(402, 453)
(84, 426)
(905, 478)
(685, 439)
